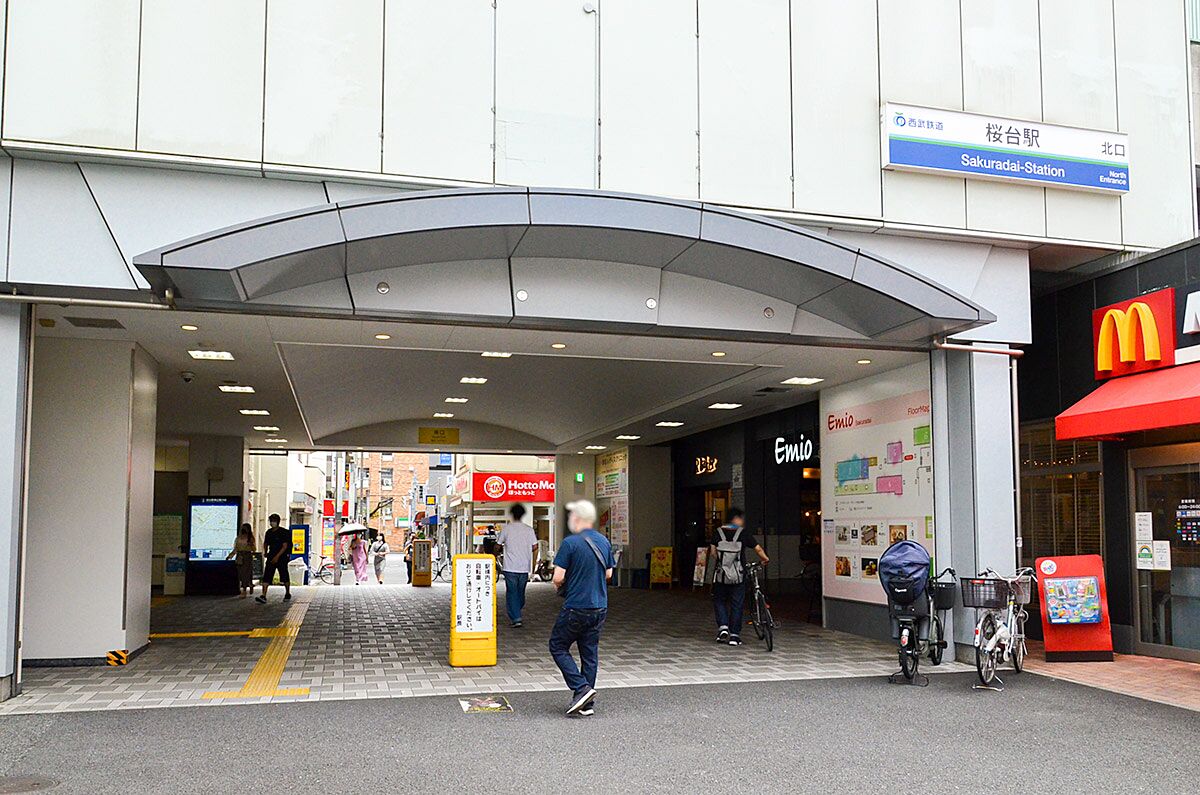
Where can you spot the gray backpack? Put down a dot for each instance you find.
(729, 557)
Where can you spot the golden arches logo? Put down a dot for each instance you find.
(1121, 324)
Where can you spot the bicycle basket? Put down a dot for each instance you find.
(990, 594)
(943, 594)
(1022, 590)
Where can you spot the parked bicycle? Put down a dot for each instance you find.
(323, 572)
(441, 570)
(916, 606)
(999, 603)
(760, 609)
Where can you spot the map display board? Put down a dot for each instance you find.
(877, 487)
(213, 526)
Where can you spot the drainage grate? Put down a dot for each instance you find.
(94, 322)
(26, 784)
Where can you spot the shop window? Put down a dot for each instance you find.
(1060, 496)
(385, 478)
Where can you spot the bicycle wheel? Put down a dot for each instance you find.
(326, 575)
(985, 661)
(937, 635)
(1018, 649)
(910, 660)
(768, 624)
(756, 617)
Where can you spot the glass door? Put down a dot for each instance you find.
(1168, 599)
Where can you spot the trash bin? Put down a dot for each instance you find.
(297, 571)
(174, 574)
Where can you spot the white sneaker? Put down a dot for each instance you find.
(581, 701)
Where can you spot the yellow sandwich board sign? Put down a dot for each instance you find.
(473, 611)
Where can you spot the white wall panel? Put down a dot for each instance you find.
(648, 104)
(437, 101)
(1079, 79)
(57, 236)
(1152, 102)
(1002, 75)
(201, 85)
(919, 62)
(545, 94)
(835, 85)
(71, 72)
(324, 83)
(745, 103)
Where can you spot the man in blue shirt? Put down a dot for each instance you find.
(582, 568)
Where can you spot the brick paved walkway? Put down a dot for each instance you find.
(392, 641)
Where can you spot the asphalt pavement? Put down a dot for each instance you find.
(837, 735)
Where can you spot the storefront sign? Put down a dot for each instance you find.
(706, 464)
(991, 147)
(512, 487)
(1135, 335)
(793, 451)
(437, 435)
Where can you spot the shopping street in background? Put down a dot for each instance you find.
(325, 329)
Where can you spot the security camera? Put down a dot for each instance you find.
(187, 376)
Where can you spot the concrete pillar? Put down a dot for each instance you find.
(567, 489)
(975, 512)
(89, 532)
(14, 382)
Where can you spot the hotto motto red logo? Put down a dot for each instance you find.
(495, 487)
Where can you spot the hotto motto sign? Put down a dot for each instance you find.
(512, 487)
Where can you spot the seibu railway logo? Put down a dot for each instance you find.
(1134, 336)
(513, 487)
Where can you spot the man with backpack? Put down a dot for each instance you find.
(729, 588)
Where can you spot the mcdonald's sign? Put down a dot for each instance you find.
(1135, 335)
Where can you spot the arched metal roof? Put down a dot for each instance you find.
(555, 258)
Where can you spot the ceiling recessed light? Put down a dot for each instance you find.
(668, 424)
(189, 327)
(595, 447)
(383, 288)
(718, 354)
(725, 406)
(522, 295)
(801, 381)
(254, 412)
(864, 361)
(266, 428)
(457, 400)
(508, 451)
(558, 346)
(240, 388)
(651, 303)
(382, 336)
(224, 356)
(496, 354)
(472, 379)
(627, 437)
(442, 415)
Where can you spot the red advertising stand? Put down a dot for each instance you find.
(1074, 609)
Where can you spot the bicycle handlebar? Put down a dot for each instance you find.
(1024, 571)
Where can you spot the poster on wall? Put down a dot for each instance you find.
(879, 486)
(618, 521)
(612, 473)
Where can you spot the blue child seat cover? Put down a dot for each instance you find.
(905, 560)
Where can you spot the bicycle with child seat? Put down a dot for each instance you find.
(910, 609)
(999, 603)
(760, 609)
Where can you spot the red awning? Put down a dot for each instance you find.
(1158, 399)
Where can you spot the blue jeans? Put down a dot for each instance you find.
(728, 600)
(581, 627)
(514, 593)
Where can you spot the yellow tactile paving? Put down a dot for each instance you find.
(264, 679)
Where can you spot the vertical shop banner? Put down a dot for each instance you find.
(612, 473)
(877, 483)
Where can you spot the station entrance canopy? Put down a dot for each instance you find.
(551, 258)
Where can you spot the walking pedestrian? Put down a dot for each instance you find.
(243, 556)
(519, 543)
(408, 555)
(358, 558)
(276, 545)
(727, 548)
(379, 553)
(582, 569)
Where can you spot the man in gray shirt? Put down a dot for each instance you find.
(520, 545)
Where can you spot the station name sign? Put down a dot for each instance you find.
(978, 146)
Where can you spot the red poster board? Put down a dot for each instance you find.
(512, 487)
(1074, 603)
